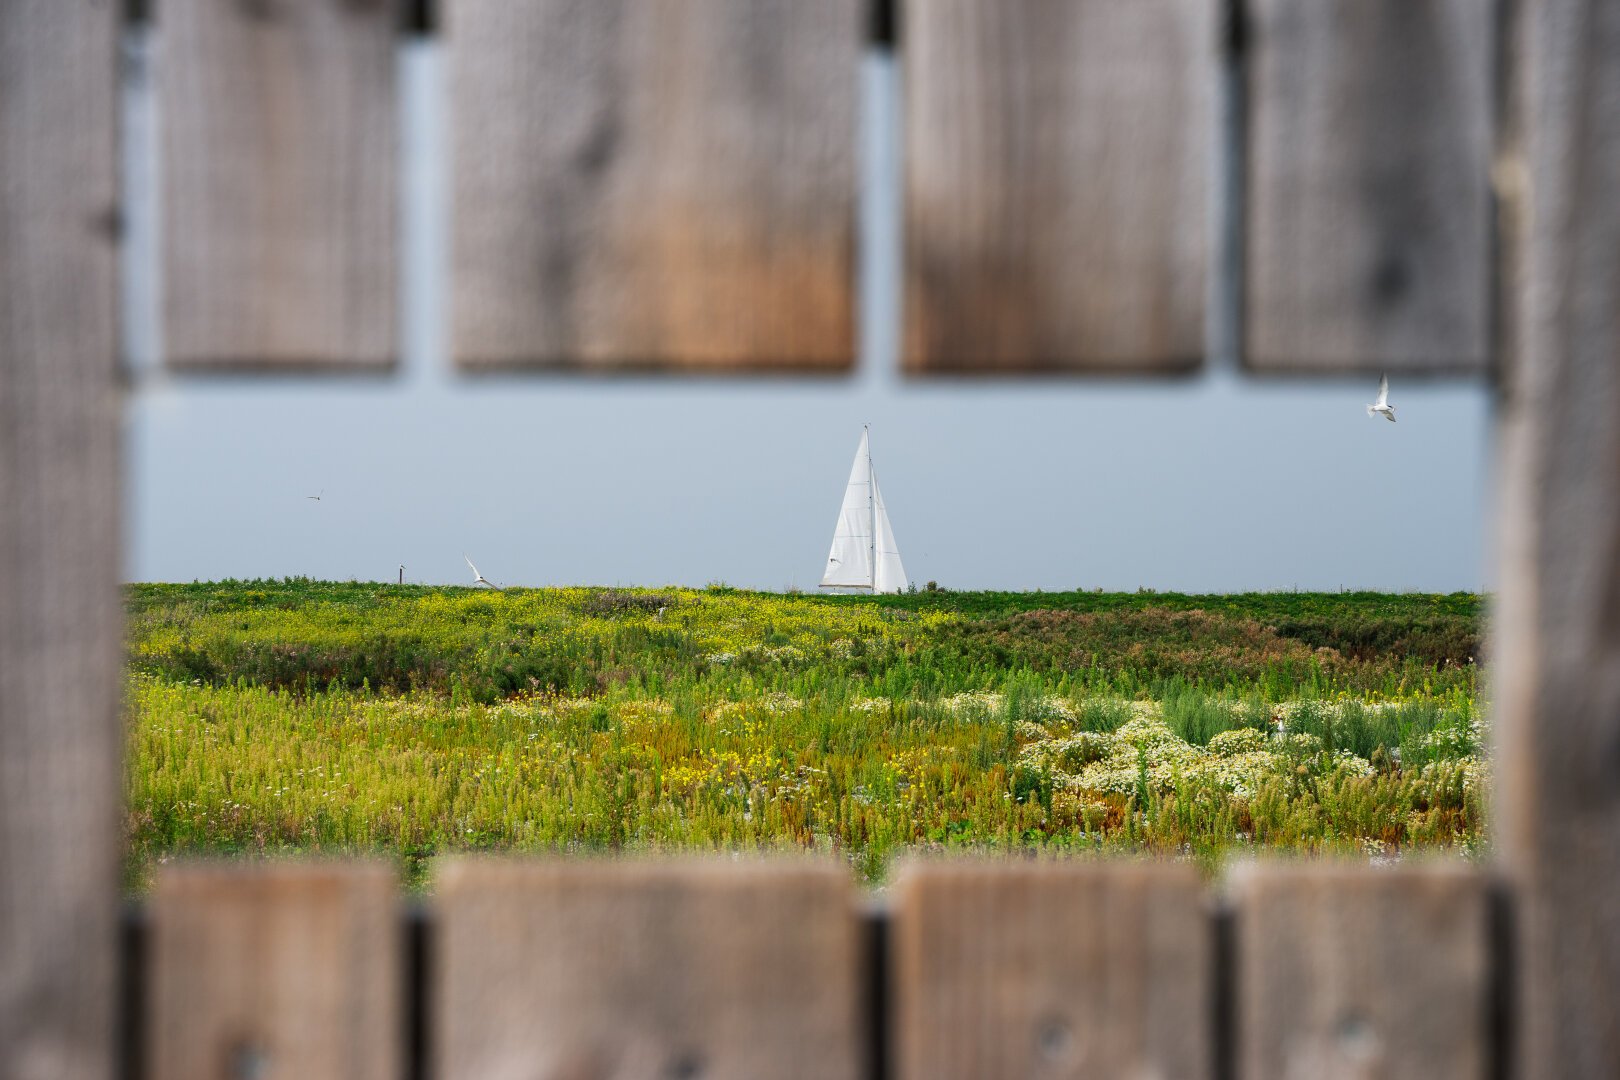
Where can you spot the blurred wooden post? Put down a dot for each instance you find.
(60, 618)
(1350, 972)
(278, 972)
(1368, 219)
(279, 179)
(721, 970)
(1058, 168)
(653, 184)
(1557, 652)
(1009, 970)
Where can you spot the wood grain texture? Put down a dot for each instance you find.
(1368, 217)
(575, 970)
(61, 623)
(279, 182)
(1007, 970)
(1058, 164)
(1557, 669)
(275, 971)
(1347, 972)
(665, 184)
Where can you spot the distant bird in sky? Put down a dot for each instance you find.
(1382, 407)
(479, 579)
(317, 498)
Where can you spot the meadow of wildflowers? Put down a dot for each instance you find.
(270, 717)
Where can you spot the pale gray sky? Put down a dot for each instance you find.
(1217, 483)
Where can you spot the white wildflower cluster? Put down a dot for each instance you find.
(1048, 710)
(1349, 763)
(1289, 713)
(1256, 713)
(840, 648)
(1145, 710)
(561, 708)
(1112, 764)
(1075, 752)
(974, 705)
(1470, 773)
(1296, 744)
(778, 704)
(1240, 772)
(1450, 741)
(721, 657)
(870, 705)
(775, 654)
(1242, 740)
(774, 704)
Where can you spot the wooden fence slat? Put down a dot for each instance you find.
(287, 971)
(664, 184)
(279, 175)
(720, 970)
(1344, 971)
(61, 624)
(1368, 215)
(1556, 658)
(1058, 165)
(1002, 970)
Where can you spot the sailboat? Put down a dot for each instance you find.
(864, 554)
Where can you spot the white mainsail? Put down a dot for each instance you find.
(864, 554)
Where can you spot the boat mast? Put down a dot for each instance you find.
(871, 503)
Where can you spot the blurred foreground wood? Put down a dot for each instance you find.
(764, 968)
(1370, 135)
(1345, 971)
(666, 184)
(287, 970)
(1557, 666)
(1058, 165)
(1057, 970)
(720, 970)
(61, 616)
(280, 180)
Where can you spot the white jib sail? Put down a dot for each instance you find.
(890, 575)
(849, 563)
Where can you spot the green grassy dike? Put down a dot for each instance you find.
(270, 717)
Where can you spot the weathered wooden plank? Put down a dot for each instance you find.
(282, 970)
(1557, 652)
(279, 178)
(1344, 971)
(60, 617)
(1058, 163)
(1369, 209)
(720, 970)
(1007, 970)
(662, 184)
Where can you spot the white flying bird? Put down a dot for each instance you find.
(1382, 407)
(479, 579)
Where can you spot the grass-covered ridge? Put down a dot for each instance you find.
(294, 715)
